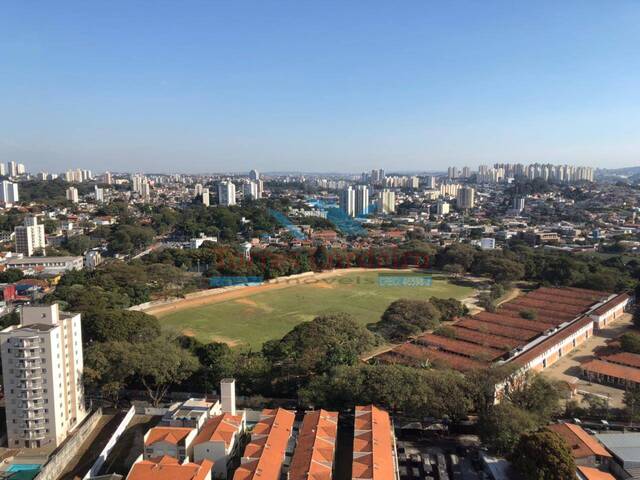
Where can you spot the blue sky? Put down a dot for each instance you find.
(318, 85)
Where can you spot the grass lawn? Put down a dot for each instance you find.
(251, 320)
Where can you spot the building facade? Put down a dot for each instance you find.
(42, 367)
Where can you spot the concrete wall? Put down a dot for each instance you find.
(95, 468)
(60, 458)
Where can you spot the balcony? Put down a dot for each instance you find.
(30, 364)
(31, 395)
(39, 435)
(30, 385)
(33, 416)
(31, 374)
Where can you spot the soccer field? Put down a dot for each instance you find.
(257, 317)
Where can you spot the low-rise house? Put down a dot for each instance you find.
(374, 445)
(315, 451)
(219, 441)
(168, 468)
(176, 442)
(585, 449)
(264, 456)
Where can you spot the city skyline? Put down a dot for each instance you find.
(326, 87)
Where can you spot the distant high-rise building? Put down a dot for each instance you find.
(107, 178)
(442, 208)
(13, 168)
(42, 368)
(3, 170)
(197, 189)
(21, 169)
(251, 190)
(386, 201)
(8, 193)
(414, 182)
(362, 200)
(452, 172)
(72, 194)
(348, 201)
(226, 193)
(30, 237)
(205, 197)
(99, 194)
(254, 175)
(466, 198)
(430, 181)
(145, 191)
(518, 203)
(466, 172)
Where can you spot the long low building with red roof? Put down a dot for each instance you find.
(313, 458)
(374, 446)
(611, 373)
(531, 331)
(264, 455)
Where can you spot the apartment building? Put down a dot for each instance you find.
(42, 372)
(30, 237)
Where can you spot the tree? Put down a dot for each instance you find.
(316, 347)
(415, 392)
(449, 308)
(161, 363)
(631, 402)
(405, 317)
(502, 424)
(543, 455)
(596, 405)
(528, 314)
(630, 342)
(537, 395)
(119, 325)
(11, 275)
(107, 369)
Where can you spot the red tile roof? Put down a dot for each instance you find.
(611, 304)
(168, 468)
(373, 445)
(264, 454)
(623, 358)
(460, 347)
(612, 370)
(590, 473)
(315, 451)
(493, 329)
(580, 442)
(173, 435)
(221, 428)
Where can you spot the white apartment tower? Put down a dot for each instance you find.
(8, 193)
(226, 193)
(72, 194)
(205, 197)
(254, 175)
(386, 201)
(362, 200)
(30, 237)
(466, 198)
(13, 168)
(42, 372)
(348, 201)
(251, 190)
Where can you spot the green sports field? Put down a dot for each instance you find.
(257, 317)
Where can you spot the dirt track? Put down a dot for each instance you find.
(283, 282)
